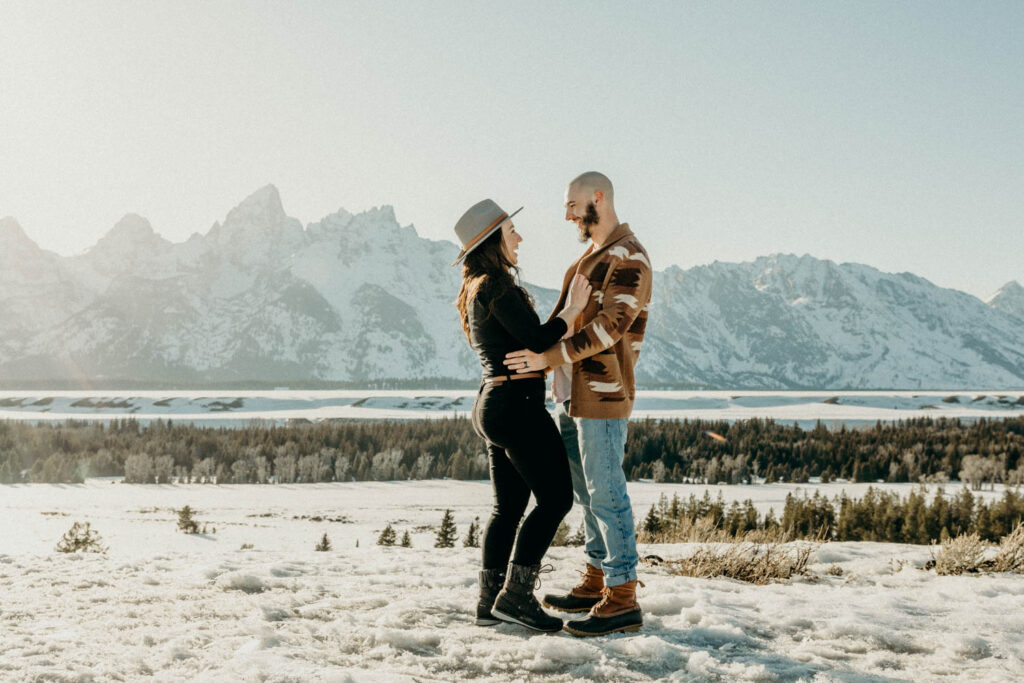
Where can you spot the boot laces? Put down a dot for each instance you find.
(545, 569)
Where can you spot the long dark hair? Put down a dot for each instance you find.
(486, 265)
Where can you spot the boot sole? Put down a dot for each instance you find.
(576, 610)
(512, 620)
(481, 621)
(584, 634)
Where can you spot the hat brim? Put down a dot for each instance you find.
(483, 237)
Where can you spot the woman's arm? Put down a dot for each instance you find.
(513, 311)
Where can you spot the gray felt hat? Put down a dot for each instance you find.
(478, 223)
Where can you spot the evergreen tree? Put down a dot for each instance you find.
(652, 525)
(580, 537)
(472, 539)
(325, 544)
(387, 537)
(406, 540)
(186, 521)
(446, 535)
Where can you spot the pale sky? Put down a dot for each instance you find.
(884, 133)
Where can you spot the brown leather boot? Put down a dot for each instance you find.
(583, 595)
(617, 612)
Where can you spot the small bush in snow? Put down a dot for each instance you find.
(325, 544)
(960, 555)
(561, 535)
(757, 563)
(80, 538)
(387, 537)
(406, 540)
(580, 537)
(472, 539)
(1010, 557)
(186, 521)
(965, 554)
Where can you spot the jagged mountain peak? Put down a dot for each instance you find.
(11, 233)
(1009, 299)
(132, 230)
(1011, 288)
(262, 208)
(130, 244)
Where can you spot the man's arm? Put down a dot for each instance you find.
(628, 291)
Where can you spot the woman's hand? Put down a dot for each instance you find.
(579, 294)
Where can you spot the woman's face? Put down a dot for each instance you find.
(510, 240)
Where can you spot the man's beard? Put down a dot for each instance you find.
(588, 221)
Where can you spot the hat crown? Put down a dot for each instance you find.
(477, 218)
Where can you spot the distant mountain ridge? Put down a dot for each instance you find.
(357, 298)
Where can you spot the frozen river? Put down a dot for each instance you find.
(227, 408)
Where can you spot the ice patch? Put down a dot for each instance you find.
(665, 605)
(240, 581)
(423, 641)
(973, 648)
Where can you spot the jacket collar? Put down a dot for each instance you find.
(620, 233)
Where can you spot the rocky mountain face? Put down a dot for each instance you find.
(358, 298)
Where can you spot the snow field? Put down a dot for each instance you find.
(169, 606)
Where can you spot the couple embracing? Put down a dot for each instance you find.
(590, 343)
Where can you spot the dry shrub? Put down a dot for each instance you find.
(81, 538)
(965, 554)
(960, 555)
(1010, 557)
(704, 530)
(757, 563)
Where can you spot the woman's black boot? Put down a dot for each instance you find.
(516, 603)
(491, 581)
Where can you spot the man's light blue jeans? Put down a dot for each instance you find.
(596, 449)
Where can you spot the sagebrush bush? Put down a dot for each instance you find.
(706, 530)
(1010, 557)
(960, 555)
(757, 563)
(81, 538)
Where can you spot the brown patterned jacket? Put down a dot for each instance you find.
(609, 332)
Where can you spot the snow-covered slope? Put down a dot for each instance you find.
(784, 321)
(261, 298)
(1009, 299)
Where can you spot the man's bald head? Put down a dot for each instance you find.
(592, 181)
(589, 204)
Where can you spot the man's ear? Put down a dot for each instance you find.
(598, 196)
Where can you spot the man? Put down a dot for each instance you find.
(593, 388)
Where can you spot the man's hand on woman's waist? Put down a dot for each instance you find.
(525, 360)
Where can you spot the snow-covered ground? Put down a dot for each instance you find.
(235, 407)
(171, 606)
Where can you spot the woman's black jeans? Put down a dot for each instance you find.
(526, 455)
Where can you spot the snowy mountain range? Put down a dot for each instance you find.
(358, 298)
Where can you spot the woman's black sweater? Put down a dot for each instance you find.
(501, 320)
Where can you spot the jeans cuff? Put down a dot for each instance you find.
(619, 579)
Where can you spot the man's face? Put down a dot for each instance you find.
(580, 209)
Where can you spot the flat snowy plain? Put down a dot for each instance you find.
(168, 606)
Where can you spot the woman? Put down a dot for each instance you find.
(524, 448)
